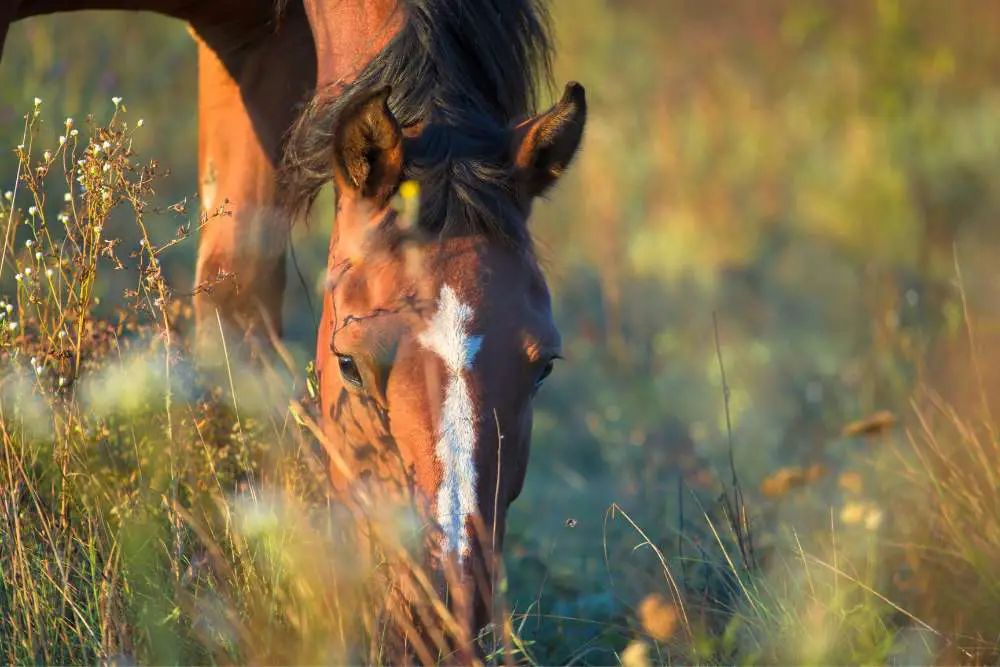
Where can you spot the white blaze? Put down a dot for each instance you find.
(447, 336)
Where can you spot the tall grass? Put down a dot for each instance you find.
(147, 516)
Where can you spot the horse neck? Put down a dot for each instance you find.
(349, 34)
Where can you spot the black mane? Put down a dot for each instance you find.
(466, 69)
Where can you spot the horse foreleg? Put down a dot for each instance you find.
(249, 90)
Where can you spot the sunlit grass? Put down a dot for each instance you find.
(147, 516)
(143, 514)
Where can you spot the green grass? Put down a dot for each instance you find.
(813, 182)
(125, 530)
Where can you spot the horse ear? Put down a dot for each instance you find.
(548, 142)
(368, 146)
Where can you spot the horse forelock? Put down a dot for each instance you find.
(465, 70)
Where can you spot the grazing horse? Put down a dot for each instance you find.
(435, 336)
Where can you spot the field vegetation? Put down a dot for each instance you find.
(772, 441)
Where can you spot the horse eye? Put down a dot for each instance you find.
(547, 371)
(349, 370)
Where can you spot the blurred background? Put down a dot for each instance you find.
(794, 186)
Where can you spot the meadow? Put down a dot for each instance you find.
(771, 442)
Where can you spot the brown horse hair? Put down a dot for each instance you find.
(463, 70)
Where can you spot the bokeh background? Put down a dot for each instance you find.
(802, 181)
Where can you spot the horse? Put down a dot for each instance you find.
(435, 336)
